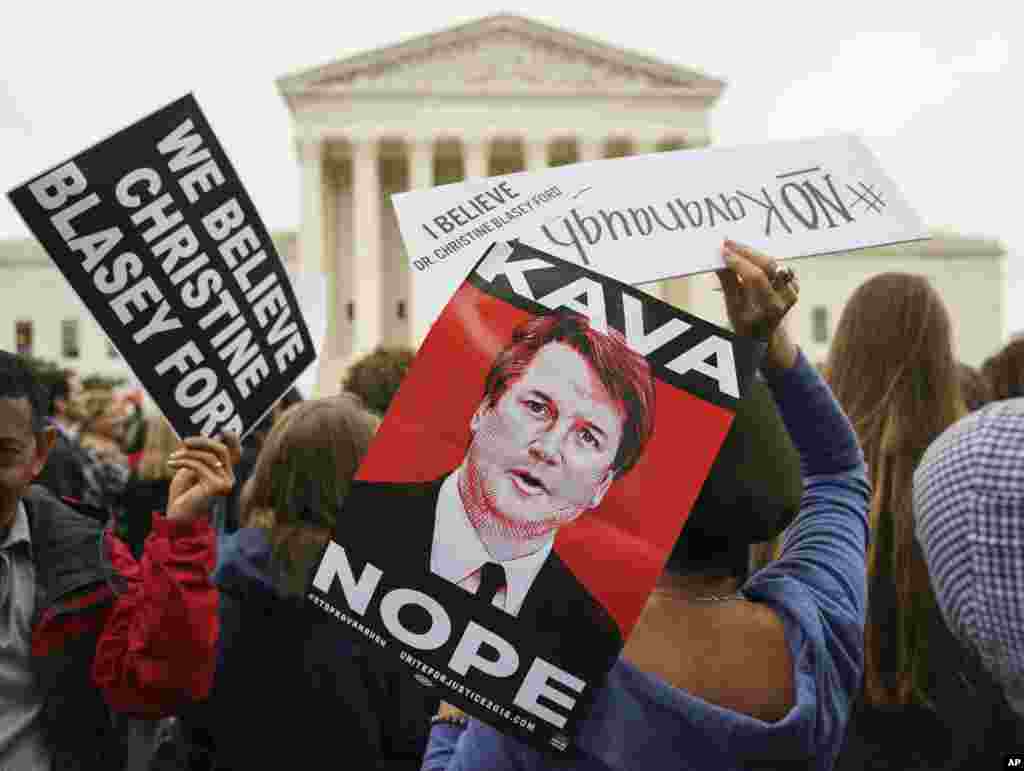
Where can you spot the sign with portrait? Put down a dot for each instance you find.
(526, 486)
(650, 217)
(156, 234)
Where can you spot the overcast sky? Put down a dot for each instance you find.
(931, 87)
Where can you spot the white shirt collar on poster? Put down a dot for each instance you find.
(457, 553)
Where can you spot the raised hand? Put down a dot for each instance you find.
(758, 294)
(204, 469)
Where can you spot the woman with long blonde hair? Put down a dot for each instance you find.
(302, 474)
(892, 368)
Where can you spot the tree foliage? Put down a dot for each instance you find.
(375, 377)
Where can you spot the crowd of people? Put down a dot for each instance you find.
(847, 592)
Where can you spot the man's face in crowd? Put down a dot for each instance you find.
(543, 454)
(22, 453)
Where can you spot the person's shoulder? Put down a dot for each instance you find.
(44, 507)
(72, 548)
(62, 528)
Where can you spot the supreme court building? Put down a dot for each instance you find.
(493, 96)
(505, 94)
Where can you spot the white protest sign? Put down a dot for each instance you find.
(445, 229)
(644, 218)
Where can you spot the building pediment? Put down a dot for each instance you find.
(501, 54)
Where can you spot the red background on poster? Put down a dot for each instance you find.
(617, 550)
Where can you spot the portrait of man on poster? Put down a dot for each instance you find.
(566, 411)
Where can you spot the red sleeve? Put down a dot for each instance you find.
(157, 647)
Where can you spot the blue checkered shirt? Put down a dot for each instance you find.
(969, 520)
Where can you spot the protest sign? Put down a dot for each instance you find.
(508, 524)
(155, 232)
(644, 218)
(444, 228)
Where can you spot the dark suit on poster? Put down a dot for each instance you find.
(567, 618)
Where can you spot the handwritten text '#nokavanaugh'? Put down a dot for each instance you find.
(803, 200)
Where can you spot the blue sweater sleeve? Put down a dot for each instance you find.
(476, 747)
(441, 746)
(819, 428)
(830, 532)
(819, 583)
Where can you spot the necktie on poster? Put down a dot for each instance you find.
(645, 218)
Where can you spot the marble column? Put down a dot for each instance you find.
(421, 177)
(421, 164)
(366, 243)
(589, 149)
(475, 157)
(535, 153)
(311, 234)
(645, 146)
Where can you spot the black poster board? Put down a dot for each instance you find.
(155, 232)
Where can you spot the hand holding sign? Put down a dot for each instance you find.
(203, 469)
(758, 294)
(651, 217)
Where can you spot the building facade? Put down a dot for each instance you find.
(969, 274)
(40, 314)
(494, 96)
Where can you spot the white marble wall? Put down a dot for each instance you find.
(972, 286)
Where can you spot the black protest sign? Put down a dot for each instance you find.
(507, 525)
(155, 232)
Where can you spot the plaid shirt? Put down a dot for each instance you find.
(969, 520)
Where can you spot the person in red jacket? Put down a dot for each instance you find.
(90, 637)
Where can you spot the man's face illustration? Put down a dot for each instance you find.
(543, 454)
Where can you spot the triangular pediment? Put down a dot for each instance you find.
(500, 54)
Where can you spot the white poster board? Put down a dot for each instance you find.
(649, 217)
